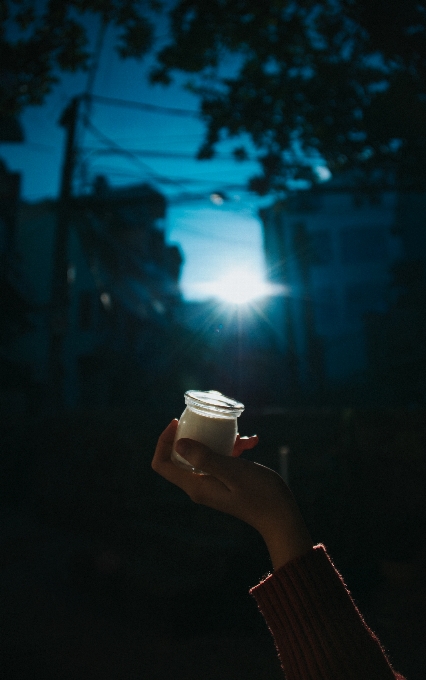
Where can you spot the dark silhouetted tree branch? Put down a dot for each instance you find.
(343, 79)
(40, 40)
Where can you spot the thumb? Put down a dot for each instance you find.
(202, 458)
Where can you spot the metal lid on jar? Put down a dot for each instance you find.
(214, 401)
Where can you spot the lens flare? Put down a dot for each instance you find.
(241, 286)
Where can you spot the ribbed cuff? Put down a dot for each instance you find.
(318, 631)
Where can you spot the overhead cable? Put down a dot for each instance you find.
(112, 144)
(143, 106)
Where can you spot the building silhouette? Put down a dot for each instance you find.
(15, 307)
(121, 294)
(333, 247)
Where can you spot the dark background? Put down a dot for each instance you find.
(107, 570)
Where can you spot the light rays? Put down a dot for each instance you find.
(241, 286)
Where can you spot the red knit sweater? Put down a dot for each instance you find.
(318, 631)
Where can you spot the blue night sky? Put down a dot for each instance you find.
(213, 238)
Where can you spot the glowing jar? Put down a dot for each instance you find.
(209, 418)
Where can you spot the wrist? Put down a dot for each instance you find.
(287, 541)
(283, 552)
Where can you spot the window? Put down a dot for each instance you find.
(321, 247)
(359, 245)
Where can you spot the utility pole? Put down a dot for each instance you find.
(59, 286)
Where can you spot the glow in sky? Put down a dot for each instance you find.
(217, 241)
(240, 286)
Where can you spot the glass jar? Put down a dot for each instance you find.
(209, 418)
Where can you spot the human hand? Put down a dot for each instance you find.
(244, 444)
(249, 491)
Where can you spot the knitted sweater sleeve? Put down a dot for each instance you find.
(318, 631)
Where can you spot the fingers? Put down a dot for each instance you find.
(202, 458)
(164, 444)
(201, 489)
(244, 444)
(239, 487)
(162, 462)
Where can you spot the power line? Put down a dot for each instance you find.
(143, 106)
(116, 148)
(215, 184)
(157, 154)
(134, 155)
(110, 142)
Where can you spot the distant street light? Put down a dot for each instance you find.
(217, 197)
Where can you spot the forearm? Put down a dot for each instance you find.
(297, 541)
(320, 635)
(318, 631)
(284, 531)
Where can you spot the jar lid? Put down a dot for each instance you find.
(214, 400)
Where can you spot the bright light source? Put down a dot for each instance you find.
(106, 300)
(217, 198)
(71, 274)
(241, 286)
(158, 306)
(323, 173)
